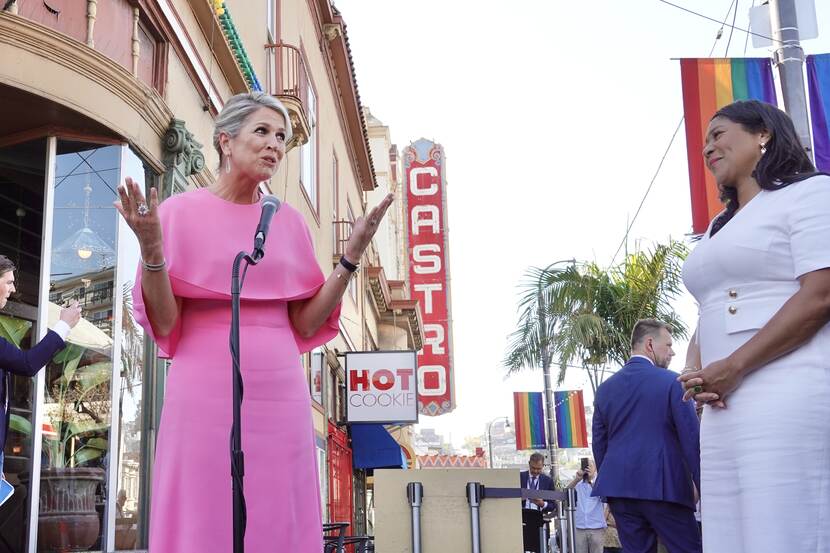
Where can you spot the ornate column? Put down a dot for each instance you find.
(182, 157)
(136, 44)
(91, 14)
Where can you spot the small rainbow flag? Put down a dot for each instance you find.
(708, 85)
(529, 417)
(570, 419)
(818, 82)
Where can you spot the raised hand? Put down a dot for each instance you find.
(364, 229)
(71, 314)
(142, 217)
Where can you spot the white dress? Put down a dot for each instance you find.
(765, 460)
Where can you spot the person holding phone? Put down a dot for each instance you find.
(25, 363)
(589, 518)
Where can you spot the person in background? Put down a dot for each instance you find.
(645, 442)
(27, 363)
(589, 517)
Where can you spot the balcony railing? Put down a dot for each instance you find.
(288, 81)
(342, 230)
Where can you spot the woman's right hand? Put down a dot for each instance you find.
(146, 226)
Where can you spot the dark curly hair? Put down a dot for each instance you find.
(785, 161)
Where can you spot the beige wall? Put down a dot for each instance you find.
(445, 514)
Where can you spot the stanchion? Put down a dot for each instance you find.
(571, 510)
(474, 499)
(415, 494)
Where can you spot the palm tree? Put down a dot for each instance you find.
(582, 314)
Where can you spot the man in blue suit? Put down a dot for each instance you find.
(647, 450)
(26, 363)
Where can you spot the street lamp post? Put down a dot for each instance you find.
(490, 438)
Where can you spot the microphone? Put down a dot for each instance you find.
(270, 206)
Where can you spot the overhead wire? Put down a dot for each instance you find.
(630, 225)
(679, 7)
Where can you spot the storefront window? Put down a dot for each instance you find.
(131, 468)
(77, 406)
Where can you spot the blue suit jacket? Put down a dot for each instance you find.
(646, 439)
(25, 363)
(545, 483)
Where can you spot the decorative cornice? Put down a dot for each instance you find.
(61, 49)
(182, 157)
(232, 36)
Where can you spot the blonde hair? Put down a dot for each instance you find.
(237, 110)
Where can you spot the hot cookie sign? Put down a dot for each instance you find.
(426, 209)
(381, 387)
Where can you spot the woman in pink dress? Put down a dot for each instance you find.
(182, 298)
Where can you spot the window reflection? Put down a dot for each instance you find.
(129, 501)
(77, 404)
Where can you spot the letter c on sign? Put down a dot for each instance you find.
(413, 181)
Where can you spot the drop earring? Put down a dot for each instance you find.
(228, 164)
(763, 148)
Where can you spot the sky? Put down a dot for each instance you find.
(554, 117)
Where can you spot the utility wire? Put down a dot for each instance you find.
(624, 241)
(716, 21)
(731, 29)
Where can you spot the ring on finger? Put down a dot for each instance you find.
(143, 209)
(697, 390)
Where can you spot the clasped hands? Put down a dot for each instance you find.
(713, 383)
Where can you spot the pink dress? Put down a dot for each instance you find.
(191, 504)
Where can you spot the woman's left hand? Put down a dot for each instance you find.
(717, 380)
(364, 229)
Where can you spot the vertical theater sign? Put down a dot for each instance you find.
(427, 240)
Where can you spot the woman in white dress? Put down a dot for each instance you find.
(761, 354)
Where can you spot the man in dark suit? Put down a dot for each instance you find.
(647, 450)
(26, 363)
(535, 479)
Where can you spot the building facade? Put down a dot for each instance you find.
(93, 92)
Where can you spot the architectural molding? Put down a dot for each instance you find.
(90, 65)
(182, 156)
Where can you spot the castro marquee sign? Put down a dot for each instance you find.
(381, 386)
(426, 219)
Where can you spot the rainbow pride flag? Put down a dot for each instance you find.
(818, 83)
(529, 417)
(570, 419)
(708, 85)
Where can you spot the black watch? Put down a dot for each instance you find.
(347, 264)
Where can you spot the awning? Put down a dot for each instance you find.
(374, 448)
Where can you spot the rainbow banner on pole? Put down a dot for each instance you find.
(818, 83)
(708, 85)
(570, 419)
(529, 416)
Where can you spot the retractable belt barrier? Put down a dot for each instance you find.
(476, 492)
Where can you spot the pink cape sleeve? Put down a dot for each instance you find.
(202, 234)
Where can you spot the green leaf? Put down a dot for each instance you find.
(86, 454)
(20, 424)
(13, 329)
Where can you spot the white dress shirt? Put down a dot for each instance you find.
(590, 513)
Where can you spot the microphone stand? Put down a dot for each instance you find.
(237, 456)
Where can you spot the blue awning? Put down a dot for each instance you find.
(374, 448)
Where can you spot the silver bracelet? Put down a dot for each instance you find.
(154, 267)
